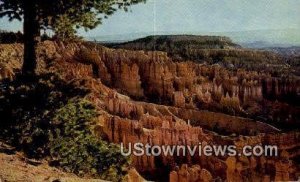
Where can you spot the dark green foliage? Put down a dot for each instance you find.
(73, 14)
(24, 103)
(10, 37)
(63, 17)
(294, 62)
(176, 42)
(77, 150)
(16, 37)
(178, 46)
(49, 118)
(210, 50)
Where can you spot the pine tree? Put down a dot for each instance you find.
(48, 14)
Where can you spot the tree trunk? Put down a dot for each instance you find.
(31, 37)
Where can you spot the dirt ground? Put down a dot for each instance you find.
(14, 167)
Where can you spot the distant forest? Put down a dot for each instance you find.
(8, 37)
(212, 50)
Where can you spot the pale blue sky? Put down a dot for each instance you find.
(196, 16)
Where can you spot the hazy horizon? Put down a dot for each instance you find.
(202, 17)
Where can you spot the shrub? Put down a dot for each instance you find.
(77, 150)
(49, 118)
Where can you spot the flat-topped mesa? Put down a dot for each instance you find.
(176, 43)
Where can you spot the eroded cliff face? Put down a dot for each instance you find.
(159, 126)
(154, 77)
(148, 98)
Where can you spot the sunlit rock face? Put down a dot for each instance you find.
(154, 77)
(146, 97)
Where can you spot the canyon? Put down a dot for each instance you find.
(148, 97)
